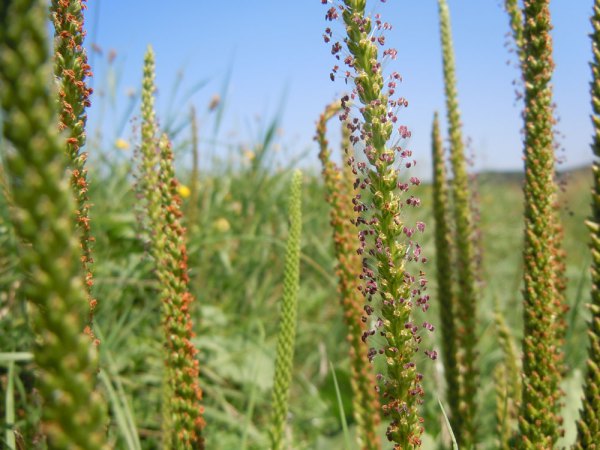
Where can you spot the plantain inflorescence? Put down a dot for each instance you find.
(588, 426)
(42, 209)
(466, 252)
(182, 410)
(540, 420)
(286, 338)
(71, 70)
(387, 243)
(339, 191)
(444, 264)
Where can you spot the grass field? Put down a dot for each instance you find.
(236, 252)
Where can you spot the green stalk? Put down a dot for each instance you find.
(540, 421)
(289, 309)
(181, 409)
(507, 378)
(588, 426)
(339, 191)
(466, 311)
(446, 295)
(36, 167)
(71, 69)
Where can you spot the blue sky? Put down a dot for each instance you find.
(274, 50)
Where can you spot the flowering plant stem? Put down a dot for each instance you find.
(73, 414)
(71, 69)
(466, 311)
(588, 426)
(182, 410)
(289, 309)
(540, 421)
(386, 242)
(446, 295)
(339, 191)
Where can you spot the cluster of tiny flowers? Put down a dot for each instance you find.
(386, 243)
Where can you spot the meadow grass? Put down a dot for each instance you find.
(238, 309)
(236, 259)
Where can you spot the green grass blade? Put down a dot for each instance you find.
(454, 443)
(120, 416)
(341, 407)
(10, 357)
(10, 408)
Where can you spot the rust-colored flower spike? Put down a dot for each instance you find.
(387, 244)
(339, 193)
(540, 421)
(42, 209)
(182, 410)
(588, 426)
(446, 295)
(170, 254)
(71, 69)
(466, 255)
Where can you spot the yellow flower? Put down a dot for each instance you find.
(122, 144)
(183, 190)
(221, 225)
(249, 155)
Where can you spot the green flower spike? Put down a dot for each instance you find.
(289, 309)
(339, 192)
(540, 421)
(446, 297)
(387, 244)
(466, 253)
(42, 208)
(588, 426)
